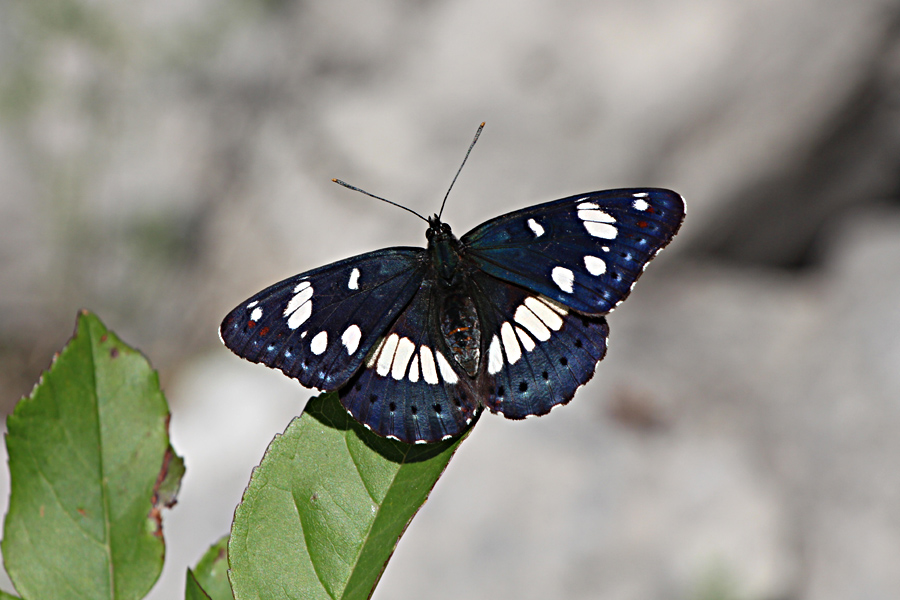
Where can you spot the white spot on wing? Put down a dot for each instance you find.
(546, 312)
(532, 323)
(601, 230)
(446, 370)
(536, 228)
(510, 343)
(597, 216)
(351, 338)
(526, 340)
(252, 304)
(641, 195)
(299, 309)
(353, 283)
(495, 357)
(429, 371)
(414, 369)
(319, 342)
(594, 265)
(597, 222)
(383, 367)
(405, 349)
(640, 204)
(564, 278)
(373, 354)
(257, 314)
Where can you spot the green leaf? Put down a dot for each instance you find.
(88, 452)
(192, 588)
(212, 571)
(8, 596)
(326, 507)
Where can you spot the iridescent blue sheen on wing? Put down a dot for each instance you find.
(547, 351)
(585, 251)
(408, 388)
(311, 341)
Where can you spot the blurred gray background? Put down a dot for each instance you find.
(161, 160)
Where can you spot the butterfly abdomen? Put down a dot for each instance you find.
(461, 330)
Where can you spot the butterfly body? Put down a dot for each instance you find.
(510, 316)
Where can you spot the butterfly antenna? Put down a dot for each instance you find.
(356, 189)
(469, 151)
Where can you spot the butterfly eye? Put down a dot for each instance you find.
(445, 228)
(429, 233)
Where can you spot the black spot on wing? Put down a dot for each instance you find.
(410, 412)
(536, 374)
(401, 391)
(549, 374)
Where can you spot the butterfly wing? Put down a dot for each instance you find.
(538, 351)
(317, 327)
(410, 388)
(585, 251)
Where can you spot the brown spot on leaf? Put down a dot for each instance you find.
(156, 515)
(161, 477)
(164, 496)
(114, 352)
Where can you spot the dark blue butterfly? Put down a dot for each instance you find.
(510, 316)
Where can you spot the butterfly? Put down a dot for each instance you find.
(508, 317)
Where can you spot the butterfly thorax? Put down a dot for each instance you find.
(459, 323)
(444, 249)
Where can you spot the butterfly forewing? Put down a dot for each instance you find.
(538, 351)
(585, 251)
(409, 387)
(318, 326)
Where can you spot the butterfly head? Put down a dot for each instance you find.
(443, 247)
(438, 231)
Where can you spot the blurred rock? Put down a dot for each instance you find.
(851, 160)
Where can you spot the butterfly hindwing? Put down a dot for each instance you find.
(408, 388)
(537, 351)
(318, 326)
(585, 251)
